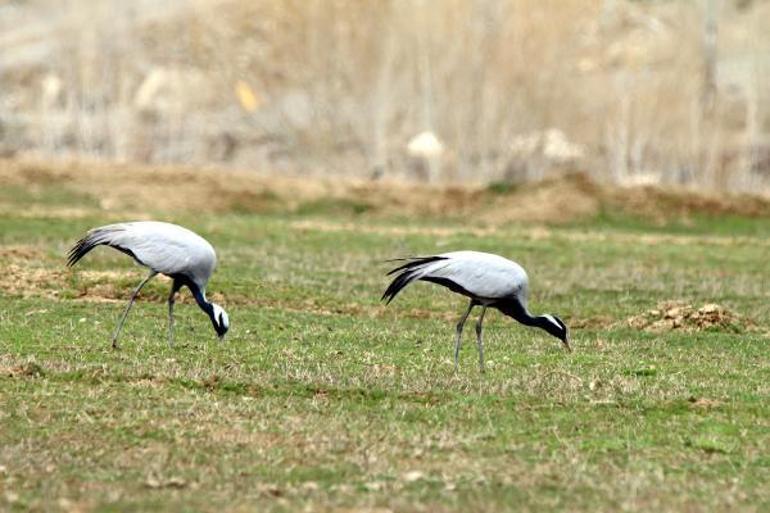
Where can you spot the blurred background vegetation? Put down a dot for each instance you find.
(444, 91)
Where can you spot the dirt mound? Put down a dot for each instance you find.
(680, 315)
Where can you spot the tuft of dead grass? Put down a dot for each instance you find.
(680, 315)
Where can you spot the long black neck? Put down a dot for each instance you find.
(200, 298)
(548, 323)
(513, 308)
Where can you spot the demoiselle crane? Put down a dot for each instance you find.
(164, 248)
(488, 280)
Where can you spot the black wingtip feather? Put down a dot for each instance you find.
(406, 274)
(413, 262)
(81, 248)
(398, 283)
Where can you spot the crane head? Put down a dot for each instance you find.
(558, 329)
(220, 320)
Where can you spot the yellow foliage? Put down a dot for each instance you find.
(249, 100)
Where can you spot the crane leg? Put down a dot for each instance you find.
(171, 299)
(479, 340)
(128, 308)
(459, 336)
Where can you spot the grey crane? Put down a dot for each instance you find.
(184, 256)
(488, 280)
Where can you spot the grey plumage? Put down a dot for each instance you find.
(488, 280)
(163, 248)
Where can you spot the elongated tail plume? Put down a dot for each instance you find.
(95, 237)
(407, 273)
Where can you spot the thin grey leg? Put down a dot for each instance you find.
(479, 340)
(460, 325)
(171, 300)
(128, 308)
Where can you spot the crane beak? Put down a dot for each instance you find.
(566, 344)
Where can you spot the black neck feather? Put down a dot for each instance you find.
(201, 300)
(512, 307)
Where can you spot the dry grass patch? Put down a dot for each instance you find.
(570, 198)
(536, 233)
(139, 190)
(325, 225)
(41, 211)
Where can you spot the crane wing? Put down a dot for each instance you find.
(482, 275)
(474, 274)
(163, 247)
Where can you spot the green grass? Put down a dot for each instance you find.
(323, 399)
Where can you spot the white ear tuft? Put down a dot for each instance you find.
(221, 316)
(553, 321)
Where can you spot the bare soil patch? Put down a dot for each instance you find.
(25, 281)
(704, 403)
(20, 252)
(20, 279)
(27, 369)
(592, 323)
(680, 315)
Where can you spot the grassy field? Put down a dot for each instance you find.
(322, 399)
